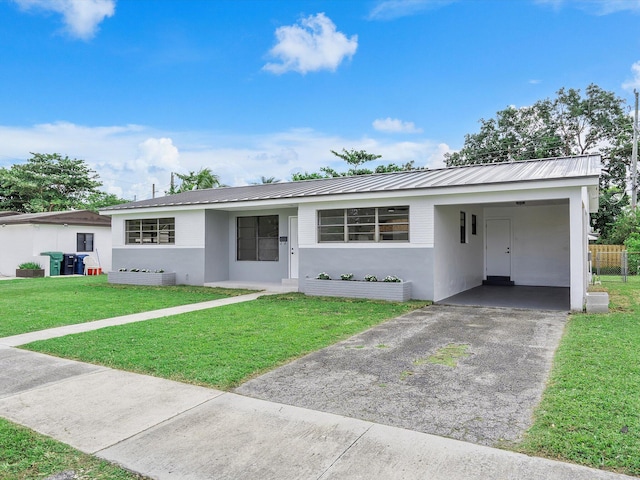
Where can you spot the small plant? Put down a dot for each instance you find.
(323, 276)
(30, 266)
(122, 269)
(134, 270)
(346, 276)
(159, 271)
(370, 278)
(392, 278)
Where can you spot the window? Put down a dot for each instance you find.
(84, 242)
(258, 238)
(150, 231)
(463, 227)
(474, 225)
(372, 224)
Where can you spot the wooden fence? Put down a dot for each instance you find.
(610, 255)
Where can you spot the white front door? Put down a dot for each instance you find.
(293, 247)
(498, 247)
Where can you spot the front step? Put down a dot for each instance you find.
(498, 280)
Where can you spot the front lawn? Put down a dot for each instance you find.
(25, 454)
(590, 411)
(39, 303)
(223, 347)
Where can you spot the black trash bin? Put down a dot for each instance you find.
(68, 264)
(80, 263)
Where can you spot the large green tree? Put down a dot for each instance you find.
(47, 182)
(355, 159)
(570, 124)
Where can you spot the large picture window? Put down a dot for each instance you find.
(372, 224)
(151, 231)
(258, 238)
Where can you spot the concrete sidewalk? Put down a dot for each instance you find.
(166, 430)
(25, 338)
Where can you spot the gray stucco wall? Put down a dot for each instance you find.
(260, 271)
(216, 246)
(188, 263)
(410, 264)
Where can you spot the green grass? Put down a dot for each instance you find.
(25, 454)
(225, 346)
(39, 303)
(590, 411)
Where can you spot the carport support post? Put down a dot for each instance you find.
(578, 246)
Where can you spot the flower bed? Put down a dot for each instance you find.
(142, 278)
(392, 291)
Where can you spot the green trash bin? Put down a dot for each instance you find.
(55, 262)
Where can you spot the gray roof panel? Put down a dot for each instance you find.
(492, 173)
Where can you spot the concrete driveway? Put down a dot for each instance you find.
(385, 374)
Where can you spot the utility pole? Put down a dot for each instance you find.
(172, 183)
(634, 157)
(153, 190)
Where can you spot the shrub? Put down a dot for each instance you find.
(370, 278)
(30, 266)
(392, 278)
(346, 276)
(323, 276)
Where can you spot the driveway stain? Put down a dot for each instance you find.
(487, 398)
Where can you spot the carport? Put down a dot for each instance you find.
(535, 298)
(510, 253)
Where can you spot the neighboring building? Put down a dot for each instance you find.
(23, 237)
(445, 230)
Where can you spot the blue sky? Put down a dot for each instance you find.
(250, 88)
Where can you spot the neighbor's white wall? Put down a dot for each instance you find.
(457, 266)
(24, 243)
(540, 243)
(15, 247)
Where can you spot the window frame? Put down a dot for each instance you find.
(146, 233)
(84, 236)
(463, 227)
(263, 237)
(363, 224)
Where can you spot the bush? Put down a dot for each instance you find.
(632, 243)
(30, 266)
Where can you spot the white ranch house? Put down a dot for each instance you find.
(445, 230)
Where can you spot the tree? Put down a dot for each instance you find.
(203, 178)
(98, 200)
(567, 125)
(47, 182)
(355, 159)
(264, 180)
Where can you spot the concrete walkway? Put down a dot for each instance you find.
(25, 338)
(166, 430)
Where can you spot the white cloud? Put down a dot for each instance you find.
(596, 7)
(635, 81)
(394, 125)
(534, 81)
(81, 17)
(313, 44)
(130, 158)
(392, 9)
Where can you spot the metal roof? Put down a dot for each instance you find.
(491, 173)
